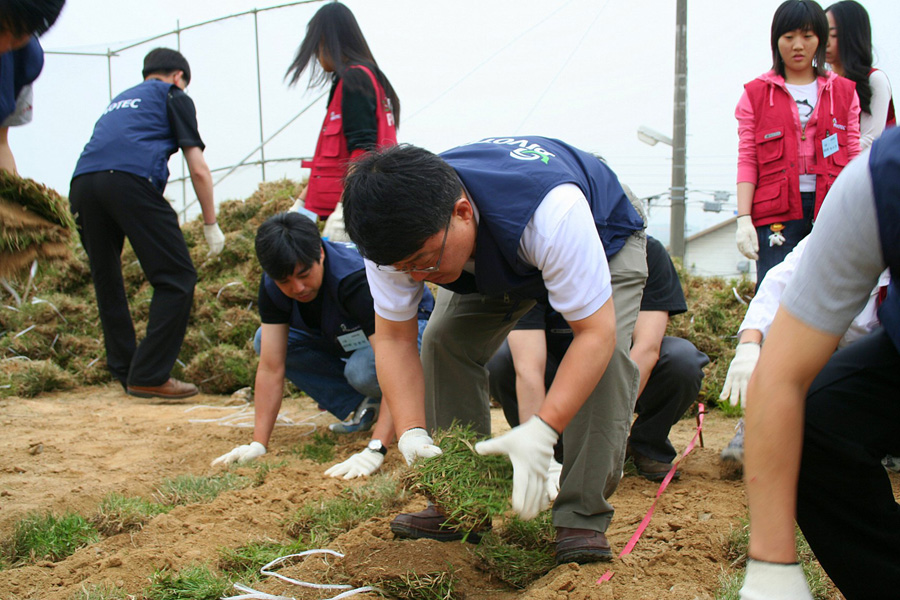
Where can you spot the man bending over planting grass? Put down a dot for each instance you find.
(317, 321)
(499, 223)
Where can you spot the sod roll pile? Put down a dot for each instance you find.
(35, 224)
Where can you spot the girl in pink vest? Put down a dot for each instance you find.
(363, 109)
(798, 126)
(849, 53)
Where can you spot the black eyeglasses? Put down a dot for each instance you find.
(414, 269)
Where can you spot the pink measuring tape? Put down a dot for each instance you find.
(701, 410)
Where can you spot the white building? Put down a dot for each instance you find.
(713, 252)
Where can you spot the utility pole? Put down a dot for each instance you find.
(679, 134)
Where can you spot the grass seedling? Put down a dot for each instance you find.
(319, 449)
(191, 583)
(261, 470)
(190, 489)
(521, 552)
(422, 586)
(118, 514)
(244, 563)
(323, 521)
(48, 537)
(468, 487)
(103, 591)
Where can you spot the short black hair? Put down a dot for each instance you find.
(395, 199)
(163, 61)
(286, 240)
(29, 17)
(805, 15)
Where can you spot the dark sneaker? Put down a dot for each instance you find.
(362, 418)
(168, 393)
(581, 546)
(653, 470)
(432, 524)
(734, 451)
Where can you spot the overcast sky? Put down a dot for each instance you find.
(589, 72)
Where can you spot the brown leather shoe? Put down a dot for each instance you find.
(170, 391)
(653, 470)
(581, 546)
(432, 524)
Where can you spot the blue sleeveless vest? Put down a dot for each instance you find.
(341, 261)
(884, 166)
(133, 135)
(17, 69)
(507, 178)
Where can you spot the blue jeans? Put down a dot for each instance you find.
(337, 384)
(793, 232)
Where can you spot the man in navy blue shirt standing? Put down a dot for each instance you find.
(117, 192)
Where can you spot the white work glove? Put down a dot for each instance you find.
(739, 371)
(773, 581)
(747, 241)
(416, 443)
(215, 239)
(241, 454)
(361, 463)
(553, 474)
(530, 449)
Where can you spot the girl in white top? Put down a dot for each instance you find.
(849, 52)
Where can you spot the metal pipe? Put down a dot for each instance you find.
(262, 146)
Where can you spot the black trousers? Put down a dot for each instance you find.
(108, 207)
(845, 504)
(671, 389)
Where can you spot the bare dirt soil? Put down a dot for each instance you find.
(67, 451)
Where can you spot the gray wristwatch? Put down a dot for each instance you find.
(377, 446)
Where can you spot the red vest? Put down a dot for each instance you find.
(777, 195)
(330, 161)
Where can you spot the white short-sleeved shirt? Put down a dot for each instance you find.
(843, 258)
(560, 240)
(761, 311)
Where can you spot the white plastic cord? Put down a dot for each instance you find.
(257, 595)
(242, 416)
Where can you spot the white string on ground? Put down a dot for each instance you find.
(243, 416)
(257, 595)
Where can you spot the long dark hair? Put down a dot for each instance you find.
(854, 46)
(805, 15)
(335, 28)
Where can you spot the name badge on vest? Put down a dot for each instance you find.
(830, 145)
(353, 340)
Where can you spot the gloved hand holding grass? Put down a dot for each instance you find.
(530, 449)
(415, 443)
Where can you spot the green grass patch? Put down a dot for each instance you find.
(468, 487)
(319, 449)
(48, 537)
(103, 591)
(440, 585)
(195, 582)
(118, 514)
(321, 522)
(736, 548)
(520, 552)
(244, 563)
(34, 377)
(190, 489)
